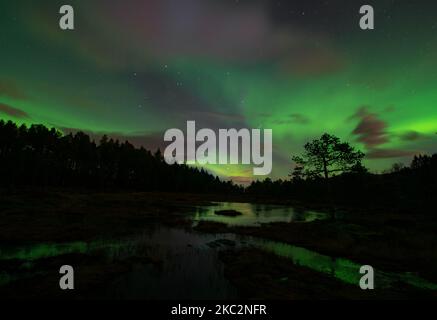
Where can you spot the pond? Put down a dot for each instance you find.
(188, 265)
(255, 214)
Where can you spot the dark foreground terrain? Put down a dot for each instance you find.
(36, 226)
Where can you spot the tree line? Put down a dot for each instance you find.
(44, 157)
(328, 172)
(331, 172)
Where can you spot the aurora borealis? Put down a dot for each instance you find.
(133, 69)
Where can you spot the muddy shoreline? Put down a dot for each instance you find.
(387, 240)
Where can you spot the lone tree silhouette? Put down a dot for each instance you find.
(328, 155)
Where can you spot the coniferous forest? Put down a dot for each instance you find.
(44, 157)
(39, 156)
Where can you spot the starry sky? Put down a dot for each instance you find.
(133, 69)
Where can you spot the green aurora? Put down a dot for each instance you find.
(136, 69)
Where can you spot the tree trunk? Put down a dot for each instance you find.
(325, 168)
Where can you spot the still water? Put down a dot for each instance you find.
(187, 262)
(255, 214)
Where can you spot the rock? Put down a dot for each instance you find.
(228, 213)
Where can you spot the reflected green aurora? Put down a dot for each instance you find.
(340, 268)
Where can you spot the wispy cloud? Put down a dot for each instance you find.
(389, 153)
(411, 136)
(10, 90)
(370, 130)
(13, 112)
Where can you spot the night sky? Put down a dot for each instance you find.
(132, 69)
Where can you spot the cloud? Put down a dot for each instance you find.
(10, 90)
(411, 136)
(294, 118)
(159, 30)
(370, 130)
(376, 153)
(182, 103)
(223, 116)
(13, 112)
(313, 61)
(299, 118)
(281, 122)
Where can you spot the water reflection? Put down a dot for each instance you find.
(188, 268)
(175, 263)
(188, 265)
(255, 214)
(342, 269)
(166, 263)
